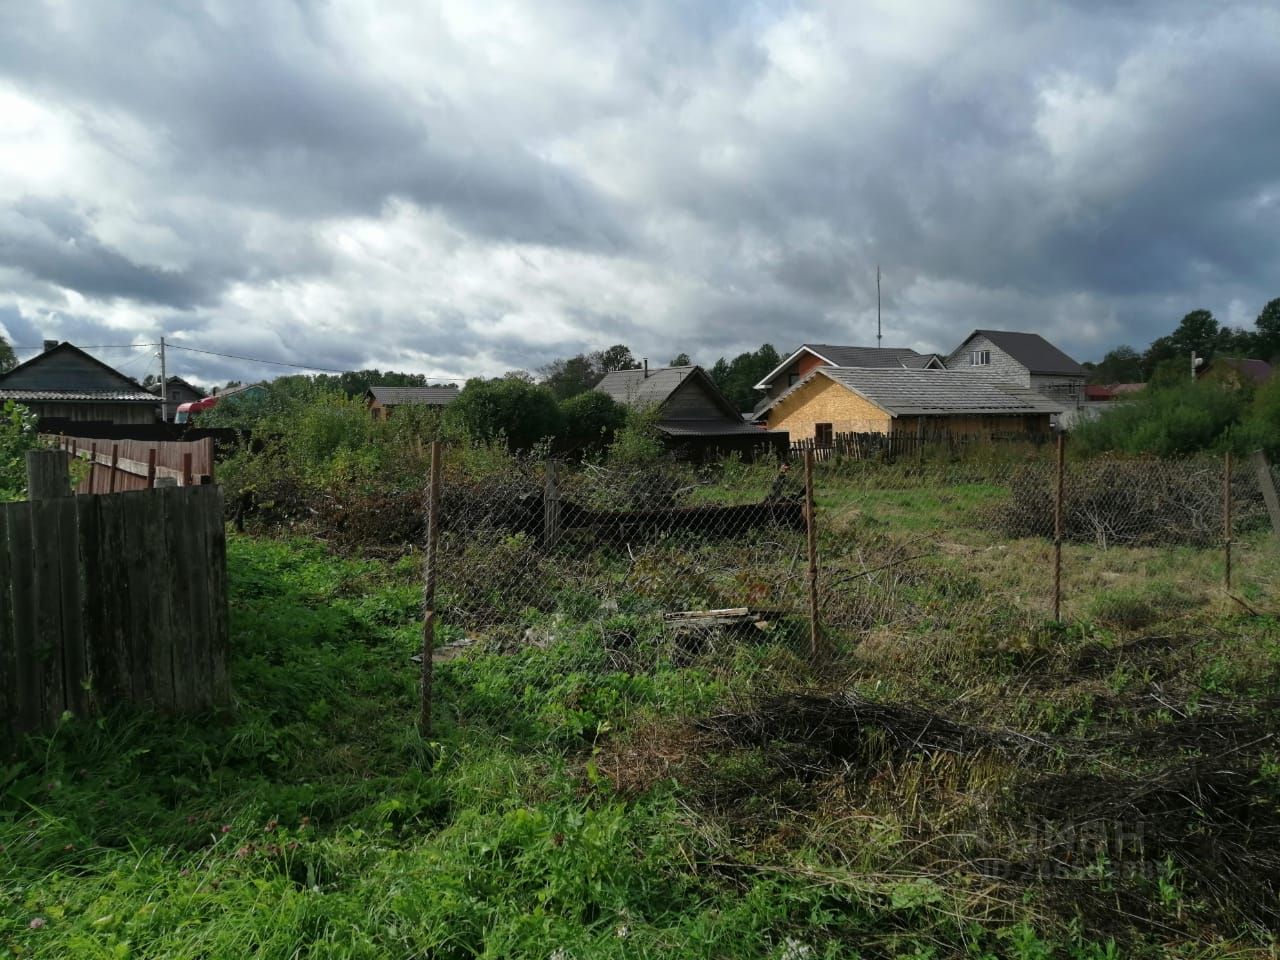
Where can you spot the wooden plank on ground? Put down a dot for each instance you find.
(75, 667)
(219, 619)
(47, 597)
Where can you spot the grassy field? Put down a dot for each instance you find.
(964, 778)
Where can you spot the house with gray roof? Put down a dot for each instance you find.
(65, 383)
(1027, 359)
(829, 401)
(693, 415)
(382, 401)
(809, 356)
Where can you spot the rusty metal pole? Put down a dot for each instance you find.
(1057, 529)
(811, 533)
(1226, 516)
(429, 573)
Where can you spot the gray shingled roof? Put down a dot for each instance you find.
(634, 389)
(894, 357)
(1031, 350)
(420, 396)
(80, 396)
(932, 392)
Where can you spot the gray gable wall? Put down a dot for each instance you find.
(1003, 366)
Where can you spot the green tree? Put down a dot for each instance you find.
(7, 358)
(592, 418)
(1121, 365)
(680, 360)
(617, 357)
(1267, 335)
(571, 376)
(737, 378)
(522, 413)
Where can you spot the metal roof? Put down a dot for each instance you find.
(80, 396)
(932, 392)
(430, 396)
(1031, 350)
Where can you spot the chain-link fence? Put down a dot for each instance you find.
(720, 576)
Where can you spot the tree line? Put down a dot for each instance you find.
(1199, 332)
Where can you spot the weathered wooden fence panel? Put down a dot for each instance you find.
(106, 600)
(118, 465)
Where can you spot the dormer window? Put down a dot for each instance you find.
(980, 358)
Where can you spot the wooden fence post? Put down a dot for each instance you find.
(811, 535)
(1226, 517)
(48, 474)
(151, 468)
(186, 469)
(551, 508)
(1268, 485)
(429, 574)
(115, 464)
(1057, 529)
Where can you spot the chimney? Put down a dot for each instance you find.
(49, 345)
(646, 368)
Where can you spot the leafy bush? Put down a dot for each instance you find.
(592, 418)
(521, 413)
(17, 436)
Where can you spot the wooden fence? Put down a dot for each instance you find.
(893, 446)
(108, 600)
(118, 465)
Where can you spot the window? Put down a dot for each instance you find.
(793, 379)
(822, 434)
(980, 358)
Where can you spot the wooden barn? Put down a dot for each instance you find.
(65, 383)
(694, 417)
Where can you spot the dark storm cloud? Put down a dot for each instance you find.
(709, 177)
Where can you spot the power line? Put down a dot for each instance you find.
(232, 356)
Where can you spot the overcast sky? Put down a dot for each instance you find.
(460, 188)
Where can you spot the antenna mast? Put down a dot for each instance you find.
(877, 305)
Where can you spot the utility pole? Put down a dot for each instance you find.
(877, 305)
(164, 387)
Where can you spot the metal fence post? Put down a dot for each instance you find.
(1226, 517)
(429, 574)
(1057, 528)
(48, 474)
(811, 533)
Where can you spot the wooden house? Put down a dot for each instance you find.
(63, 383)
(382, 401)
(809, 356)
(694, 417)
(840, 400)
(178, 392)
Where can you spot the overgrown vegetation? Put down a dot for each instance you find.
(958, 777)
(17, 436)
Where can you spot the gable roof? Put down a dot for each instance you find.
(896, 358)
(1031, 350)
(1258, 371)
(423, 396)
(634, 389)
(38, 379)
(931, 392)
(177, 382)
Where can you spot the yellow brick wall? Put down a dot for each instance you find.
(823, 401)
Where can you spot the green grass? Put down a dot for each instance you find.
(569, 804)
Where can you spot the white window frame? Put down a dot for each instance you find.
(980, 358)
